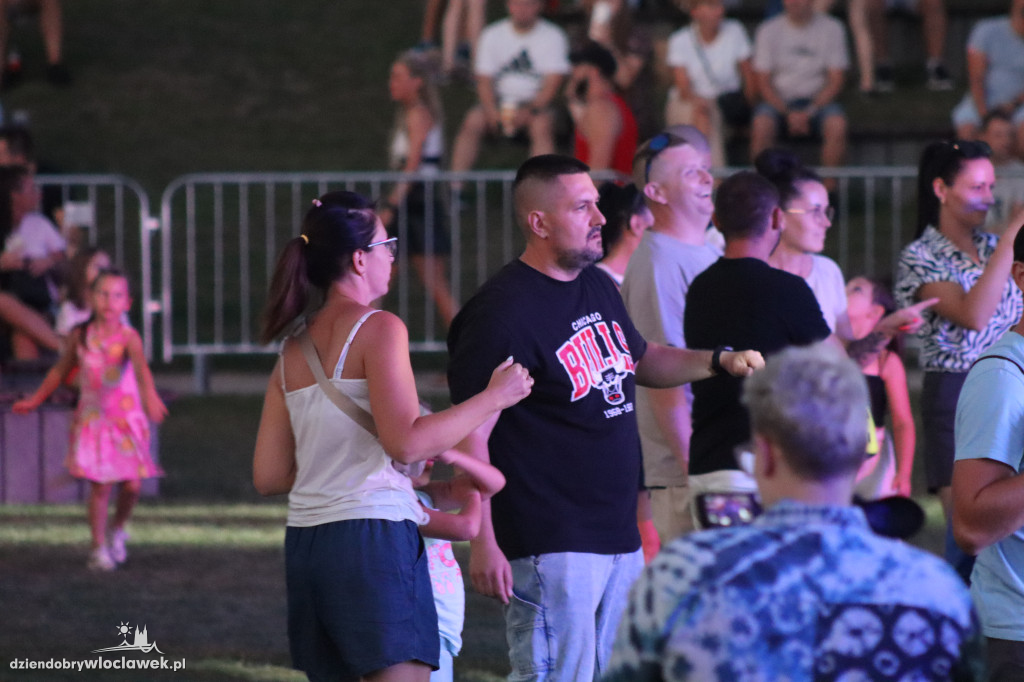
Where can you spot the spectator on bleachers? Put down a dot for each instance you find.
(1008, 194)
(800, 63)
(460, 31)
(17, 148)
(521, 62)
(417, 146)
(610, 23)
(432, 12)
(857, 19)
(606, 132)
(32, 249)
(995, 74)
(51, 25)
(933, 30)
(601, 17)
(713, 80)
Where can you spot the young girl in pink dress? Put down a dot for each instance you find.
(110, 434)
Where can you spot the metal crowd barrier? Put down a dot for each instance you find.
(203, 280)
(223, 233)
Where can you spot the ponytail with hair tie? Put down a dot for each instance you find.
(340, 223)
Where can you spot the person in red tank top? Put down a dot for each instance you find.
(606, 130)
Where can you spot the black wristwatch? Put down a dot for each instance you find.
(716, 358)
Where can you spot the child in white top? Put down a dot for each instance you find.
(473, 482)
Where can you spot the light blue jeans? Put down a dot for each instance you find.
(564, 612)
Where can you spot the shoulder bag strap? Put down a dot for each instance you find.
(999, 357)
(703, 58)
(342, 401)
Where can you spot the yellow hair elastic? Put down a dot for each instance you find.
(304, 238)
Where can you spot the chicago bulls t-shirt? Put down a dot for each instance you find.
(570, 451)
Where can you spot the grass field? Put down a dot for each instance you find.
(205, 575)
(206, 571)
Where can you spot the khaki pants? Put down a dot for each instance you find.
(673, 507)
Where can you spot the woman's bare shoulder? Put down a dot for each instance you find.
(384, 324)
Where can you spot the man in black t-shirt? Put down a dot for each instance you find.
(561, 547)
(742, 302)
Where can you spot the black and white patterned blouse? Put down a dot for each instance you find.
(946, 346)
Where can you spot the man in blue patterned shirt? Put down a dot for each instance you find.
(806, 592)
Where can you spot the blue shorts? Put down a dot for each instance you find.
(359, 598)
(830, 109)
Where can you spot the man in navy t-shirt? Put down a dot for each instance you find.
(560, 544)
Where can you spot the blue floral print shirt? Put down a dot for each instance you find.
(804, 593)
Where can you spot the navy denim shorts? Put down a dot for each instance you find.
(359, 598)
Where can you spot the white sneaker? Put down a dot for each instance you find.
(99, 560)
(118, 550)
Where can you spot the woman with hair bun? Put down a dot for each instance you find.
(360, 604)
(968, 271)
(808, 216)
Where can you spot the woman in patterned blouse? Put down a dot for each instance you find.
(968, 270)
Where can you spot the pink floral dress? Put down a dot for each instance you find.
(110, 435)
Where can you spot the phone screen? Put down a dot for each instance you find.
(727, 509)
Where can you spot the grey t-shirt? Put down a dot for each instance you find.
(654, 289)
(800, 57)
